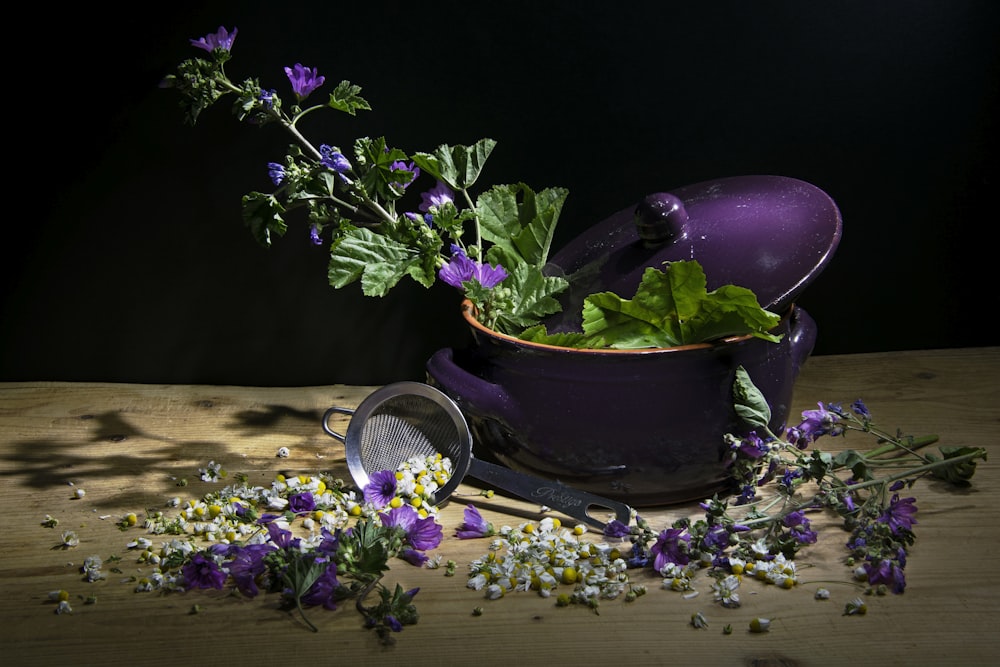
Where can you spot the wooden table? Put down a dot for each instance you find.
(128, 444)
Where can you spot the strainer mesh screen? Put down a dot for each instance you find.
(405, 426)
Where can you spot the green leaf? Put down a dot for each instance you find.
(262, 213)
(458, 166)
(521, 222)
(345, 97)
(672, 307)
(958, 473)
(532, 295)
(374, 164)
(378, 261)
(749, 402)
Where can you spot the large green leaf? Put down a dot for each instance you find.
(672, 307)
(519, 221)
(262, 213)
(459, 166)
(378, 261)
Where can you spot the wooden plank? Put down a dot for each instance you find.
(128, 447)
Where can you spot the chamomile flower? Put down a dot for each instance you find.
(726, 591)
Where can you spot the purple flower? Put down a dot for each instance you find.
(671, 546)
(276, 172)
(752, 446)
(747, 495)
(414, 557)
(324, 589)
(849, 502)
(280, 537)
(247, 565)
(436, 196)
(788, 479)
(333, 159)
(301, 503)
(267, 98)
(474, 525)
(304, 80)
(421, 533)
(899, 514)
(716, 539)
(222, 39)
(461, 269)
(381, 488)
(616, 528)
(886, 572)
(314, 237)
(820, 422)
(861, 410)
(798, 525)
(426, 218)
(404, 173)
(201, 572)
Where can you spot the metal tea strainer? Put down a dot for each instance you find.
(407, 419)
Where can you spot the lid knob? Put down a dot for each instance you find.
(660, 218)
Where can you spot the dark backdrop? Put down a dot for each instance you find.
(125, 257)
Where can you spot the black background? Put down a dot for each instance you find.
(125, 257)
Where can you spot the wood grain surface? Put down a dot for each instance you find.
(128, 445)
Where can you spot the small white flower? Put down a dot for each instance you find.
(79, 493)
(283, 452)
(212, 472)
(725, 591)
(822, 594)
(64, 607)
(69, 539)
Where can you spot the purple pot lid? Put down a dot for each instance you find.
(771, 234)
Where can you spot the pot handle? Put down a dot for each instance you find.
(802, 338)
(485, 397)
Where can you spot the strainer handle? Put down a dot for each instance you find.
(571, 502)
(326, 421)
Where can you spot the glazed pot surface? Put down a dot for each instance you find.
(645, 427)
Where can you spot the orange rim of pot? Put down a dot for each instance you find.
(469, 313)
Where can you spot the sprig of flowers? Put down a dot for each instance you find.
(757, 533)
(355, 196)
(311, 539)
(491, 243)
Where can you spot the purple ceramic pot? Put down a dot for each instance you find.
(644, 427)
(647, 427)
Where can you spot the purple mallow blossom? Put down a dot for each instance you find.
(202, 572)
(798, 527)
(671, 546)
(301, 503)
(333, 159)
(461, 269)
(324, 590)
(221, 39)
(887, 572)
(616, 528)
(267, 98)
(304, 80)
(314, 237)
(824, 421)
(420, 533)
(276, 172)
(437, 196)
(899, 514)
(247, 565)
(381, 488)
(474, 525)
